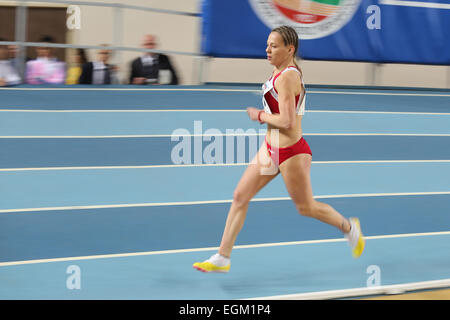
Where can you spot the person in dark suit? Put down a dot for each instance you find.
(100, 71)
(152, 68)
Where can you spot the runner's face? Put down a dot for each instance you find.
(277, 52)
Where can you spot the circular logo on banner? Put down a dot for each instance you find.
(311, 19)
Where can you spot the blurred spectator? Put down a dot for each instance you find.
(74, 72)
(146, 69)
(99, 71)
(13, 51)
(8, 74)
(46, 69)
(12, 54)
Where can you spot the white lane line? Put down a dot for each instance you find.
(382, 134)
(219, 135)
(234, 109)
(208, 165)
(131, 167)
(133, 89)
(380, 112)
(261, 245)
(184, 203)
(121, 110)
(361, 292)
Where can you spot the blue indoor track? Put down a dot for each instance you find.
(88, 179)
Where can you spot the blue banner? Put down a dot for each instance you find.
(384, 31)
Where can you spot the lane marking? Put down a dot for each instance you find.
(128, 167)
(361, 292)
(219, 135)
(380, 112)
(208, 165)
(243, 109)
(121, 110)
(261, 245)
(134, 89)
(185, 203)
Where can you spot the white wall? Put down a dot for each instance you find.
(181, 33)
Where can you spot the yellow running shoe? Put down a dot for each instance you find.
(356, 238)
(216, 263)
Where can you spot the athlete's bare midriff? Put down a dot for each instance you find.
(286, 137)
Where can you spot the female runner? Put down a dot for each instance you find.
(285, 150)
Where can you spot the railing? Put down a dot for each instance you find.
(109, 5)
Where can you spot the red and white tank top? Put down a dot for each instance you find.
(270, 95)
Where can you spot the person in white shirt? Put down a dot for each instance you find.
(8, 74)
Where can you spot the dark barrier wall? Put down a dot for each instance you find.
(347, 30)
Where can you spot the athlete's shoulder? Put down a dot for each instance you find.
(289, 75)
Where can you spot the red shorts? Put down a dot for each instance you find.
(279, 155)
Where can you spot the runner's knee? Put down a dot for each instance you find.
(240, 198)
(307, 209)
